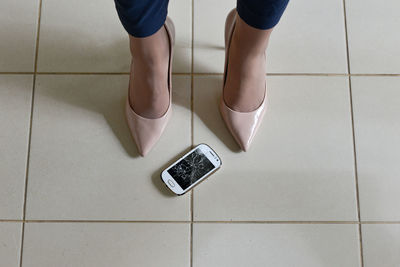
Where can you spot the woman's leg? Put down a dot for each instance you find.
(149, 45)
(245, 84)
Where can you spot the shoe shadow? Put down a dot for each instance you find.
(96, 94)
(206, 108)
(156, 176)
(112, 108)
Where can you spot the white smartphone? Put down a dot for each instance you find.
(191, 169)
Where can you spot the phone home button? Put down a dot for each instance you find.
(171, 183)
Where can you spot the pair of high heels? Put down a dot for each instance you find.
(242, 125)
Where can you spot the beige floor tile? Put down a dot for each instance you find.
(18, 22)
(208, 23)
(376, 103)
(102, 244)
(10, 244)
(373, 36)
(309, 39)
(84, 164)
(93, 40)
(381, 245)
(15, 110)
(300, 165)
(180, 12)
(256, 245)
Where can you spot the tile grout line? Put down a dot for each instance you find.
(195, 222)
(15, 72)
(205, 74)
(191, 135)
(192, 74)
(361, 256)
(30, 133)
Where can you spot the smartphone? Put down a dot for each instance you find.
(191, 169)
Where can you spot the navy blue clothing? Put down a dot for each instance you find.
(142, 18)
(261, 14)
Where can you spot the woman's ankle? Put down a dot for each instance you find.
(153, 49)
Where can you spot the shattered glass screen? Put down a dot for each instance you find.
(191, 168)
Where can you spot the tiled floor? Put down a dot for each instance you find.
(319, 187)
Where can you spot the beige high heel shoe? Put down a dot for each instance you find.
(242, 125)
(146, 132)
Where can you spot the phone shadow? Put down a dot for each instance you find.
(156, 176)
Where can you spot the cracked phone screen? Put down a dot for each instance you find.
(191, 168)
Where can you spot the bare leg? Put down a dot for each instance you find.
(149, 96)
(245, 82)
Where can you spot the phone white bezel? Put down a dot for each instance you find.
(213, 157)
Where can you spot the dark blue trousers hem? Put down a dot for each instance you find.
(261, 14)
(142, 18)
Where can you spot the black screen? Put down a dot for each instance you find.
(191, 168)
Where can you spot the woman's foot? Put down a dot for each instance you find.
(148, 106)
(243, 104)
(148, 91)
(245, 82)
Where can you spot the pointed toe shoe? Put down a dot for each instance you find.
(146, 132)
(242, 125)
